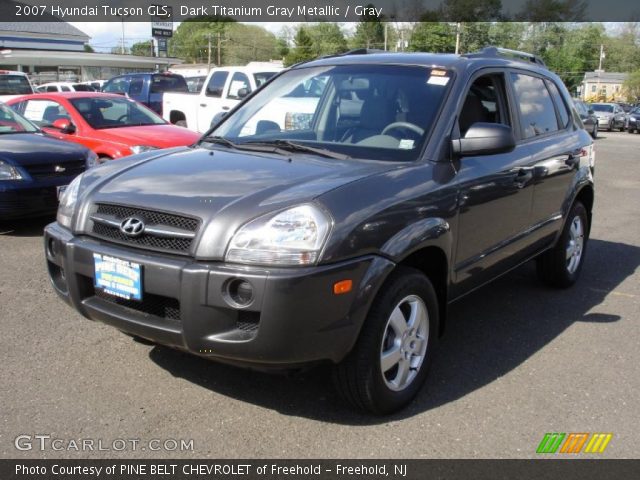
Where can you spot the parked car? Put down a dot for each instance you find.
(13, 83)
(610, 116)
(95, 84)
(111, 125)
(588, 117)
(64, 87)
(223, 89)
(342, 241)
(147, 88)
(633, 120)
(34, 168)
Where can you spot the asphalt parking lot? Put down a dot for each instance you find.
(518, 360)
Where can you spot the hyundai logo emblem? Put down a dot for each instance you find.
(59, 169)
(132, 226)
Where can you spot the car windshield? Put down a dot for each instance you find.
(378, 112)
(599, 107)
(14, 85)
(12, 122)
(114, 112)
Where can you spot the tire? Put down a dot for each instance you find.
(594, 132)
(610, 127)
(553, 266)
(630, 130)
(181, 123)
(360, 379)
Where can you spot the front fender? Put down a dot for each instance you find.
(428, 232)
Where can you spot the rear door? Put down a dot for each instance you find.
(555, 144)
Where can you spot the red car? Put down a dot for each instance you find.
(111, 125)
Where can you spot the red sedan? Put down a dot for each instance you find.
(112, 126)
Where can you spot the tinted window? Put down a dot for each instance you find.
(135, 87)
(168, 83)
(79, 87)
(52, 88)
(598, 107)
(482, 103)
(560, 105)
(14, 85)
(64, 88)
(117, 85)
(262, 77)
(216, 84)
(537, 114)
(238, 81)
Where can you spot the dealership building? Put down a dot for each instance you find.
(55, 51)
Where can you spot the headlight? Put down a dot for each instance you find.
(292, 237)
(68, 202)
(141, 148)
(9, 172)
(633, 119)
(92, 159)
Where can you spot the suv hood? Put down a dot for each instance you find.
(204, 183)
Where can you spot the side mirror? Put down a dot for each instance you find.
(64, 125)
(484, 139)
(243, 92)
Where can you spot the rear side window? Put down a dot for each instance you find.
(117, 85)
(560, 105)
(135, 87)
(216, 84)
(14, 85)
(168, 83)
(537, 113)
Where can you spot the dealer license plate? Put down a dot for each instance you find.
(117, 277)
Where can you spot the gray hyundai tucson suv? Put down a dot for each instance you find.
(336, 227)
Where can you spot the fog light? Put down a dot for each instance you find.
(240, 292)
(51, 247)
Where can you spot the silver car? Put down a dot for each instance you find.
(610, 116)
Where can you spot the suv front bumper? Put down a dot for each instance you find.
(294, 319)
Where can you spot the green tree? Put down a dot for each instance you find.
(88, 48)
(142, 49)
(632, 86)
(552, 10)
(326, 39)
(507, 34)
(436, 37)
(471, 10)
(303, 49)
(191, 39)
(369, 32)
(244, 43)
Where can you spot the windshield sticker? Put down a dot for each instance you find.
(436, 80)
(406, 144)
(439, 73)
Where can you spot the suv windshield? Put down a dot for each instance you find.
(14, 85)
(11, 122)
(598, 107)
(378, 112)
(114, 112)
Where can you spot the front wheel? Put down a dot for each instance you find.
(594, 132)
(390, 360)
(561, 266)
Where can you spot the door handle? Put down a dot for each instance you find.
(523, 176)
(225, 108)
(203, 104)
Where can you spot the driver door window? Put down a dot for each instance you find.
(216, 84)
(485, 102)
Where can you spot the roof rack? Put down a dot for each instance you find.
(357, 51)
(505, 52)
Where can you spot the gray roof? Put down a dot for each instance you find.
(44, 28)
(605, 77)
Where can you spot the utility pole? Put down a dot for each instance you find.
(219, 45)
(385, 36)
(209, 52)
(458, 25)
(599, 72)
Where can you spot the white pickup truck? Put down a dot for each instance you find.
(14, 83)
(223, 89)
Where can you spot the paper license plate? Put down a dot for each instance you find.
(118, 277)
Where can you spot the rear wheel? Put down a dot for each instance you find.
(630, 130)
(594, 131)
(561, 266)
(390, 360)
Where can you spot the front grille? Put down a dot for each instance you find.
(48, 170)
(166, 242)
(156, 305)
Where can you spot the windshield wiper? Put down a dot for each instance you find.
(299, 147)
(252, 147)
